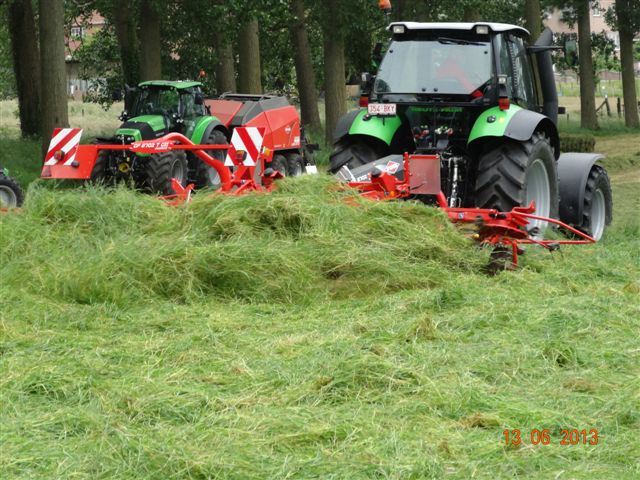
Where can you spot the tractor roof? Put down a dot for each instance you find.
(495, 27)
(169, 83)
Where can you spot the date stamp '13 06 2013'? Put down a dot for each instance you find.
(572, 436)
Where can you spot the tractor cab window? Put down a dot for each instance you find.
(523, 80)
(189, 107)
(504, 57)
(436, 62)
(157, 101)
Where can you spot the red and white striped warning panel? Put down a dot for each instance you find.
(63, 146)
(245, 139)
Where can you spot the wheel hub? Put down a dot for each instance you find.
(8, 198)
(538, 190)
(598, 215)
(177, 171)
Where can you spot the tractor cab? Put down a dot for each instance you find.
(156, 108)
(438, 78)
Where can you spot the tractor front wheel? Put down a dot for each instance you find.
(207, 176)
(352, 154)
(163, 167)
(598, 203)
(517, 173)
(11, 194)
(100, 172)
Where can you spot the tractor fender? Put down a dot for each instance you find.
(525, 122)
(516, 123)
(204, 128)
(359, 122)
(344, 124)
(573, 173)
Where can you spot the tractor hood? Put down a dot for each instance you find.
(144, 127)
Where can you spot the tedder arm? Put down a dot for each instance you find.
(494, 228)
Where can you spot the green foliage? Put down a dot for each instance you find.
(99, 59)
(7, 76)
(603, 51)
(628, 19)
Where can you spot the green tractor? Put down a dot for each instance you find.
(483, 100)
(152, 110)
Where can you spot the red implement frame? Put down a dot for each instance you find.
(241, 179)
(494, 228)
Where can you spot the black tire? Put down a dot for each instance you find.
(352, 154)
(205, 175)
(279, 163)
(11, 194)
(101, 173)
(597, 209)
(162, 168)
(516, 172)
(295, 165)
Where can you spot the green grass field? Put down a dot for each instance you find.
(296, 335)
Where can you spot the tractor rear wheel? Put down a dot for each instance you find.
(517, 173)
(295, 165)
(207, 176)
(352, 154)
(598, 203)
(11, 194)
(162, 168)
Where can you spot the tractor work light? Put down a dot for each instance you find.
(482, 29)
(398, 29)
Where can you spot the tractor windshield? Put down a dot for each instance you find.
(444, 62)
(167, 101)
(157, 101)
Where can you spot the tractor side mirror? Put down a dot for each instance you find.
(570, 49)
(199, 98)
(124, 116)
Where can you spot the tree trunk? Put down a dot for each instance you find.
(225, 67)
(26, 64)
(249, 71)
(335, 97)
(125, 26)
(53, 74)
(304, 68)
(471, 13)
(626, 59)
(532, 19)
(150, 42)
(588, 117)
